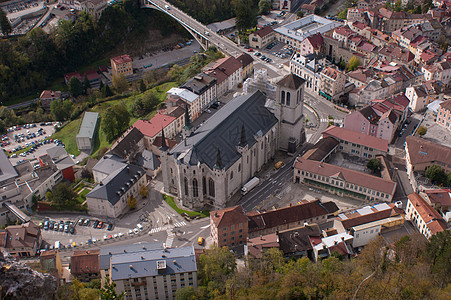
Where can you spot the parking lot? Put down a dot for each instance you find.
(275, 53)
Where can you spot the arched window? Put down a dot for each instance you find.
(204, 185)
(186, 186)
(211, 187)
(239, 167)
(298, 100)
(283, 97)
(195, 188)
(231, 175)
(288, 98)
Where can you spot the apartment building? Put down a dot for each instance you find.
(423, 94)
(21, 240)
(261, 38)
(309, 68)
(48, 96)
(440, 71)
(444, 115)
(228, 74)
(312, 44)
(182, 97)
(205, 87)
(229, 226)
(121, 65)
(333, 83)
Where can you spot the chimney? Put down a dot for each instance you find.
(335, 243)
(129, 172)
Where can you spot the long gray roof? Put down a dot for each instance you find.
(223, 130)
(144, 264)
(107, 252)
(7, 170)
(88, 125)
(109, 163)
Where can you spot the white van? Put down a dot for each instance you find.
(139, 226)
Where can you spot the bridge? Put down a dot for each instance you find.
(199, 31)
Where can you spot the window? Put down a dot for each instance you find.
(195, 188)
(204, 185)
(288, 98)
(211, 187)
(231, 175)
(283, 98)
(239, 168)
(224, 228)
(186, 186)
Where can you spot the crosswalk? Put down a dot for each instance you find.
(167, 227)
(179, 224)
(170, 238)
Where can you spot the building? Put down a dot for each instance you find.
(288, 5)
(228, 226)
(260, 82)
(295, 32)
(223, 27)
(367, 223)
(176, 95)
(121, 65)
(440, 71)
(21, 240)
(440, 200)
(154, 274)
(312, 44)
(129, 145)
(216, 160)
(421, 154)
(86, 132)
(247, 65)
(444, 114)
(309, 68)
(324, 247)
(295, 242)
(47, 97)
(228, 74)
(342, 181)
(110, 197)
(421, 95)
(256, 247)
(261, 38)
(107, 165)
(290, 217)
(333, 83)
(428, 221)
(59, 157)
(153, 127)
(205, 87)
(355, 143)
(92, 7)
(84, 265)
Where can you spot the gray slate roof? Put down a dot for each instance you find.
(108, 164)
(107, 252)
(116, 182)
(223, 130)
(144, 264)
(148, 160)
(7, 170)
(60, 157)
(88, 125)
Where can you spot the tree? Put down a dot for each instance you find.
(5, 25)
(422, 130)
(264, 7)
(216, 265)
(374, 165)
(131, 202)
(61, 110)
(120, 83)
(86, 83)
(75, 87)
(143, 191)
(300, 14)
(115, 121)
(353, 63)
(438, 251)
(343, 14)
(436, 174)
(186, 293)
(245, 15)
(106, 91)
(108, 292)
(61, 195)
(142, 86)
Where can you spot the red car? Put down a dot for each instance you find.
(250, 50)
(100, 225)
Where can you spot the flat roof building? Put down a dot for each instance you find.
(86, 132)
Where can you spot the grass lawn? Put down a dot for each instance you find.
(170, 200)
(82, 195)
(67, 135)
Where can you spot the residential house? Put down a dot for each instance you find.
(376, 37)
(308, 9)
(228, 74)
(428, 221)
(423, 94)
(261, 38)
(444, 114)
(355, 14)
(295, 242)
(312, 44)
(229, 226)
(326, 246)
(181, 97)
(396, 54)
(343, 34)
(87, 131)
(247, 65)
(47, 97)
(84, 265)
(61, 160)
(205, 86)
(342, 181)
(92, 7)
(440, 200)
(129, 144)
(21, 240)
(153, 127)
(257, 246)
(107, 165)
(440, 71)
(333, 83)
(154, 274)
(405, 36)
(309, 68)
(121, 65)
(421, 154)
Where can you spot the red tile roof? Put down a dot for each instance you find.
(441, 196)
(85, 262)
(170, 143)
(359, 25)
(422, 151)
(344, 30)
(228, 216)
(430, 216)
(264, 31)
(350, 176)
(153, 127)
(356, 137)
(316, 40)
(50, 94)
(245, 59)
(446, 105)
(121, 59)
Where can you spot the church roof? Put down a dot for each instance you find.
(291, 81)
(223, 131)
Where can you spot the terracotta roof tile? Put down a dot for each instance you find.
(85, 262)
(228, 216)
(264, 31)
(424, 151)
(356, 137)
(430, 216)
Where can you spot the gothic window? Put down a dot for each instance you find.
(211, 187)
(195, 188)
(298, 100)
(186, 186)
(171, 170)
(204, 185)
(239, 167)
(231, 175)
(283, 98)
(288, 98)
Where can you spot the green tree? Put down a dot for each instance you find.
(422, 130)
(142, 86)
(186, 293)
(437, 174)
(61, 195)
(216, 265)
(75, 87)
(398, 6)
(438, 251)
(343, 14)
(120, 83)
(86, 83)
(264, 7)
(115, 121)
(5, 25)
(300, 14)
(108, 292)
(106, 91)
(353, 64)
(245, 15)
(374, 165)
(131, 202)
(61, 110)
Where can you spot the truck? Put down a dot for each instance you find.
(250, 185)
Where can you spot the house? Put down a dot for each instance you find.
(92, 7)
(421, 154)
(295, 242)
(309, 68)
(356, 143)
(365, 224)
(228, 226)
(21, 240)
(405, 36)
(154, 274)
(423, 94)
(129, 145)
(312, 44)
(205, 87)
(50, 261)
(357, 26)
(428, 221)
(107, 165)
(257, 246)
(68, 77)
(277, 220)
(342, 34)
(228, 73)
(153, 127)
(121, 65)
(84, 265)
(110, 197)
(223, 27)
(62, 161)
(444, 114)
(326, 246)
(342, 181)
(87, 131)
(440, 71)
(175, 95)
(308, 9)
(93, 78)
(149, 161)
(48, 96)
(261, 38)
(247, 64)
(440, 200)
(333, 83)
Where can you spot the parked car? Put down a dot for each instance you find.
(86, 222)
(71, 230)
(110, 226)
(96, 222)
(100, 225)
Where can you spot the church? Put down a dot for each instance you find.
(213, 162)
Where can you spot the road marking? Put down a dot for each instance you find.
(206, 226)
